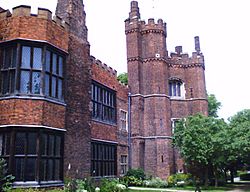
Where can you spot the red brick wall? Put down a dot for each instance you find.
(106, 76)
(31, 112)
(35, 28)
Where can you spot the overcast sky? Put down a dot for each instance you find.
(223, 27)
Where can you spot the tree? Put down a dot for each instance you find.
(213, 105)
(123, 78)
(200, 142)
(238, 142)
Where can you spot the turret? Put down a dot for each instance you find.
(73, 12)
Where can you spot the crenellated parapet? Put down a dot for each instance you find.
(103, 66)
(178, 59)
(42, 13)
(146, 27)
(135, 24)
(22, 24)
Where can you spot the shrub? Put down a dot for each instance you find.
(5, 179)
(79, 185)
(112, 185)
(131, 181)
(155, 182)
(179, 179)
(137, 173)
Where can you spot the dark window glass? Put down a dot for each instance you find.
(103, 159)
(43, 169)
(58, 146)
(44, 144)
(4, 144)
(8, 70)
(103, 103)
(29, 158)
(32, 140)
(51, 145)
(20, 143)
(5, 82)
(19, 169)
(30, 172)
(7, 59)
(53, 87)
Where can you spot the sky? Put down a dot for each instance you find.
(223, 27)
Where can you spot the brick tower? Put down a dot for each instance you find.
(163, 89)
(77, 91)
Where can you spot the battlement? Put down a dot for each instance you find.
(25, 11)
(104, 66)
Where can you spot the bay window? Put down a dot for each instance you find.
(31, 68)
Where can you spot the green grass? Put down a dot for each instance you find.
(190, 188)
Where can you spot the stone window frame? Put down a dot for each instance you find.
(103, 103)
(176, 88)
(14, 83)
(124, 164)
(173, 124)
(103, 159)
(123, 121)
(12, 152)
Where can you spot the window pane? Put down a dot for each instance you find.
(14, 56)
(50, 170)
(7, 58)
(47, 85)
(36, 82)
(47, 66)
(19, 169)
(174, 89)
(5, 82)
(30, 172)
(44, 147)
(32, 137)
(170, 89)
(43, 169)
(57, 169)
(25, 57)
(178, 89)
(37, 58)
(20, 143)
(58, 146)
(60, 89)
(53, 94)
(54, 63)
(25, 82)
(12, 81)
(60, 67)
(51, 145)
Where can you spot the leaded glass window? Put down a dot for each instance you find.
(103, 103)
(25, 71)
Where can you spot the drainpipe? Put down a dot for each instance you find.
(129, 132)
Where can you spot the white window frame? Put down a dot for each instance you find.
(123, 120)
(182, 89)
(173, 121)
